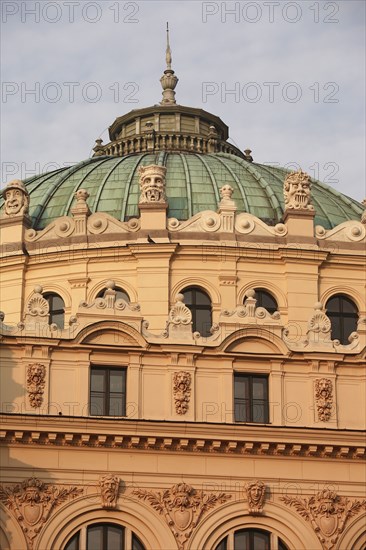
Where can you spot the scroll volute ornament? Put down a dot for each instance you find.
(327, 512)
(109, 488)
(152, 184)
(16, 199)
(36, 381)
(297, 191)
(182, 507)
(32, 502)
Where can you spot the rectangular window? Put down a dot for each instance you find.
(107, 391)
(251, 398)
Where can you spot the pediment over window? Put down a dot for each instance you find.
(254, 342)
(103, 334)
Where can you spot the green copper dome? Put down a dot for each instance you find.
(192, 185)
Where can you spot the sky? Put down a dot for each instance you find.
(288, 78)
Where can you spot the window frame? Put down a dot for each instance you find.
(100, 294)
(194, 307)
(129, 538)
(340, 316)
(249, 402)
(260, 293)
(108, 369)
(228, 541)
(50, 296)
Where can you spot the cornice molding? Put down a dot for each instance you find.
(182, 437)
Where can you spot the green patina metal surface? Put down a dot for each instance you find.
(192, 185)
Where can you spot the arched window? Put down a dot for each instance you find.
(200, 305)
(252, 539)
(57, 309)
(105, 536)
(343, 315)
(266, 300)
(120, 294)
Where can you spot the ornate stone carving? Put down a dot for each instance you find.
(36, 380)
(226, 192)
(109, 487)
(327, 512)
(296, 188)
(183, 507)
(180, 314)
(37, 308)
(16, 199)
(109, 302)
(351, 230)
(250, 311)
(256, 491)
(152, 184)
(181, 391)
(32, 503)
(324, 398)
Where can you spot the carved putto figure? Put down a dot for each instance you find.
(32, 503)
(36, 380)
(16, 199)
(327, 512)
(182, 506)
(152, 184)
(255, 491)
(181, 391)
(297, 191)
(109, 487)
(324, 398)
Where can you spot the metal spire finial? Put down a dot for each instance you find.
(168, 55)
(168, 80)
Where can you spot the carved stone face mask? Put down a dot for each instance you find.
(14, 201)
(153, 187)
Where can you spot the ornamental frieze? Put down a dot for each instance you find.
(327, 512)
(182, 507)
(32, 502)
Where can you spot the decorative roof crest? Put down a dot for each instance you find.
(168, 80)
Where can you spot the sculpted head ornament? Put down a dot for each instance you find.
(255, 494)
(109, 486)
(16, 199)
(297, 187)
(152, 184)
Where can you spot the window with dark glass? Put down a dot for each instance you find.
(120, 294)
(343, 316)
(252, 539)
(200, 305)
(107, 391)
(56, 309)
(251, 398)
(266, 300)
(106, 536)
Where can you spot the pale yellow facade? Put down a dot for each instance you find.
(192, 461)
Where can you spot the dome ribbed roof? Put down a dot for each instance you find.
(192, 185)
